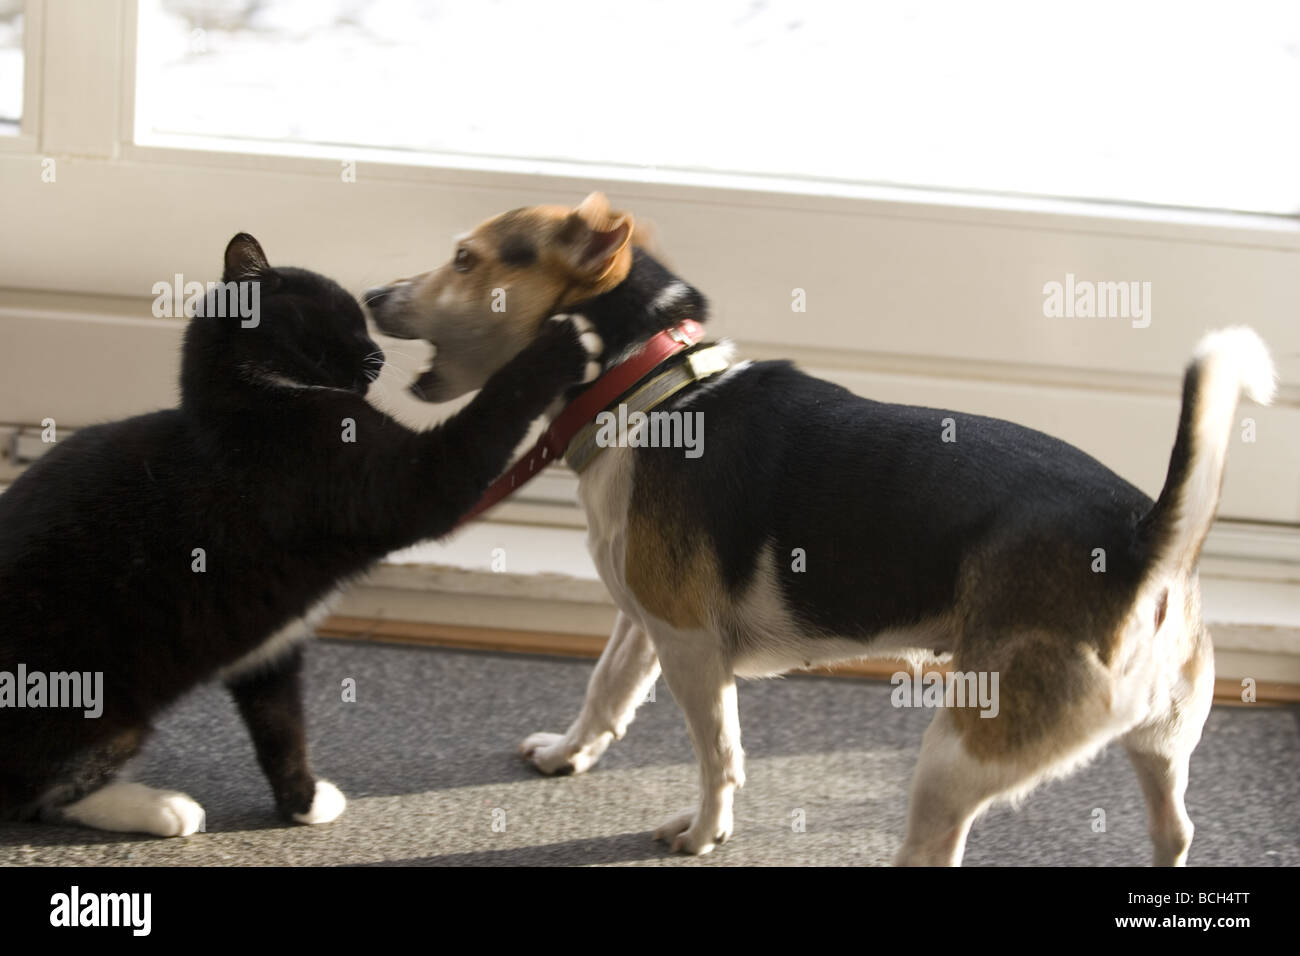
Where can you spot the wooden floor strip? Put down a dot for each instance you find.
(1227, 690)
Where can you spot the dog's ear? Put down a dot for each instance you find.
(244, 259)
(594, 237)
(595, 209)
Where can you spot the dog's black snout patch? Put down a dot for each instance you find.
(373, 298)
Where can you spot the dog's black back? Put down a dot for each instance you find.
(851, 483)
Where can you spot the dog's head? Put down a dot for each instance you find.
(502, 281)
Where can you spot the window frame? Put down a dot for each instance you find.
(84, 115)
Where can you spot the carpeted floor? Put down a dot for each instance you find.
(426, 756)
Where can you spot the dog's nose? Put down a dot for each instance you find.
(373, 298)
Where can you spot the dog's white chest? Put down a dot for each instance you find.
(605, 491)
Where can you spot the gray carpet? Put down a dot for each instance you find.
(426, 757)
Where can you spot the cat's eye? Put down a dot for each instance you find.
(464, 260)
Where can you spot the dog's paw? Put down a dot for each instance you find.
(687, 832)
(551, 754)
(326, 805)
(588, 338)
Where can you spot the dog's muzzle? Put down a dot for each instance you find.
(380, 301)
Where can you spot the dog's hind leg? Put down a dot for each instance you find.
(1160, 751)
(701, 679)
(971, 757)
(950, 788)
(627, 670)
(1164, 781)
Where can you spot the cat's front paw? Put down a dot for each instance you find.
(571, 329)
(171, 814)
(326, 805)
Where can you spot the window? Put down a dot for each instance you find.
(11, 66)
(1171, 104)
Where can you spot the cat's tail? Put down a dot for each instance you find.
(1225, 364)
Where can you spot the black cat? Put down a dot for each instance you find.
(173, 547)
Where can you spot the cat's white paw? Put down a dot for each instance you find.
(326, 805)
(178, 815)
(589, 339)
(135, 808)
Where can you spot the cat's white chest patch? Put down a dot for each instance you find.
(281, 642)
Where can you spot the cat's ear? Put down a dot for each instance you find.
(245, 259)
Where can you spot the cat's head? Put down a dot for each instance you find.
(275, 328)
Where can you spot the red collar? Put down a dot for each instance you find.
(583, 409)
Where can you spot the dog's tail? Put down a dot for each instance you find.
(1226, 363)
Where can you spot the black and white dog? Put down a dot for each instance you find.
(821, 527)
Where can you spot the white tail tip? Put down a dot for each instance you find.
(1242, 350)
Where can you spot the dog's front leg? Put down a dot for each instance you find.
(704, 686)
(627, 669)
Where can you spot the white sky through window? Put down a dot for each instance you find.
(11, 65)
(1188, 104)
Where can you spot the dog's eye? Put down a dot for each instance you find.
(464, 260)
